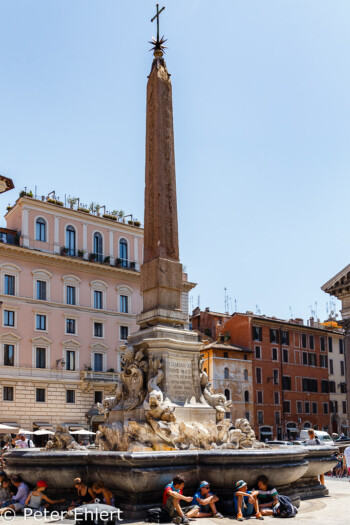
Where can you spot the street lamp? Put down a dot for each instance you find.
(6, 184)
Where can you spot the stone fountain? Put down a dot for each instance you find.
(164, 418)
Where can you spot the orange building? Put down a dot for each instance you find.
(290, 372)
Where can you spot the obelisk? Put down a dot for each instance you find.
(162, 336)
(161, 272)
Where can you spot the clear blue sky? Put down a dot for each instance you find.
(261, 95)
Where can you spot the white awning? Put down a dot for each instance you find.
(292, 429)
(40, 424)
(268, 432)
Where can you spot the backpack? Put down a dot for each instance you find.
(284, 508)
(157, 515)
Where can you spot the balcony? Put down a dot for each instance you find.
(9, 236)
(99, 377)
(100, 259)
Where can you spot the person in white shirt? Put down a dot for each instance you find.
(20, 441)
(347, 458)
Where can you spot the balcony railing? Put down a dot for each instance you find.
(100, 258)
(91, 375)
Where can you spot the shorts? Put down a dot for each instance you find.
(170, 509)
(18, 506)
(247, 508)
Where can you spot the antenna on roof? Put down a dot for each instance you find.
(257, 309)
(291, 312)
(199, 301)
(235, 305)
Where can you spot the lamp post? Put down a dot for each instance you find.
(6, 184)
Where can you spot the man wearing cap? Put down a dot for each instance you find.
(206, 501)
(245, 503)
(20, 441)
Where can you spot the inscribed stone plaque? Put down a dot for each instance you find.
(179, 380)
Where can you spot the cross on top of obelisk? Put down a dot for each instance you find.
(158, 47)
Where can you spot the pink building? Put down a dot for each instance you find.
(70, 292)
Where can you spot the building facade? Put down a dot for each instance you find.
(290, 372)
(229, 369)
(70, 292)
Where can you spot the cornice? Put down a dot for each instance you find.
(60, 261)
(61, 211)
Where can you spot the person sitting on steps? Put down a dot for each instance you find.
(206, 501)
(173, 494)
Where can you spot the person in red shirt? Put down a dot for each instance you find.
(173, 494)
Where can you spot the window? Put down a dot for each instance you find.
(98, 299)
(275, 354)
(303, 341)
(70, 240)
(322, 344)
(324, 386)
(311, 342)
(285, 337)
(286, 383)
(286, 407)
(225, 355)
(260, 417)
(312, 360)
(40, 322)
(275, 377)
(259, 396)
(245, 375)
(307, 407)
(9, 285)
(335, 407)
(342, 387)
(277, 418)
(344, 407)
(305, 358)
(330, 344)
(71, 296)
(257, 333)
(98, 329)
(331, 370)
(323, 361)
(314, 408)
(285, 355)
(331, 407)
(124, 304)
(226, 373)
(246, 396)
(124, 332)
(341, 346)
(70, 326)
(325, 408)
(247, 416)
(258, 375)
(41, 290)
(9, 318)
(40, 358)
(227, 394)
(274, 335)
(70, 360)
(299, 407)
(98, 247)
(313, 383)
(342, 368)
(8, 393)
(331, 387)
(40, 228)
(70, 396)
(98, 396)
(123, 252)
(40, 395)
(98, 362)
(276, 398)
(9, 355)
(257, 352)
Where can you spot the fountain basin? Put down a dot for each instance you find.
(138, 478)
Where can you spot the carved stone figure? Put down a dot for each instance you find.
(156, 374)
(62, 440)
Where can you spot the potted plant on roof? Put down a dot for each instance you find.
(72, 201)
(93, 256)
(137, 223)
(121, 214)
(64, 250)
